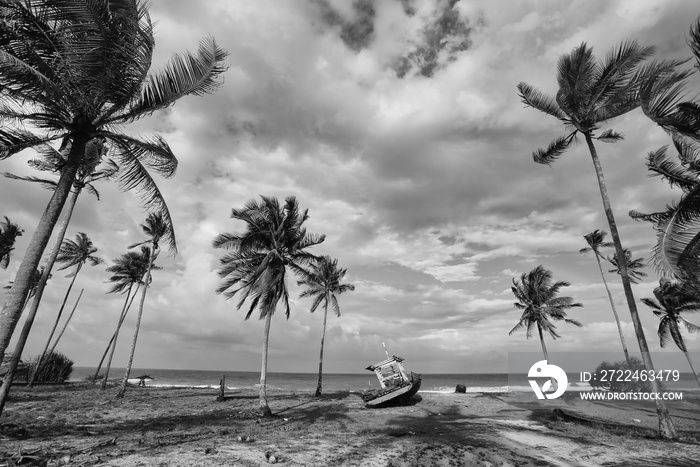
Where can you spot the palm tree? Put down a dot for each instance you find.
(322, 283)
(8, 235)
(592, 93)
(35, 283)
(77, 72)
(634, 266)
(72, 253)
(157, 228)
(537, 297)
(674, 299)
(127, 270)
(596, 241)
(258, 259)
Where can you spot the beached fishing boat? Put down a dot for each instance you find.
(396, 383)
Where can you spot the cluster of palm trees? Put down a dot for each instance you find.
(72, 75)
(594, 92)
(258, 260)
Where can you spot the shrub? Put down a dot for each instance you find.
(621, 376)
(21, 373)
(56, 368)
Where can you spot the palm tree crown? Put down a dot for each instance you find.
(537, 297)
(634, 266)
(128, 269)
(257, 260)
(323, 283)
(672, 299)
(596, 241)
(8, 235)
(78, 252)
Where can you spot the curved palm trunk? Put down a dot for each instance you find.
(612, 305)
(113, 341)
(11, 310)
(320, 359)
(676, 332)
(65, 325)
(26, 329)
(55, 325)
(666, 427)
(544, 347)
(692, 368)
(147, 280)
(264, 407)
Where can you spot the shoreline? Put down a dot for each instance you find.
(180, 426)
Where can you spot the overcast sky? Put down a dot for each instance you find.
(398, 125)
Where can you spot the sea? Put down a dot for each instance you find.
(353, 382)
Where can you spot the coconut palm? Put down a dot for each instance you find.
(257, 261)
(323, 283)
(634, 266)
(79, 71)
(8, 235)
(592, 93)
(674, 299)
(596, 241)
(127, 270)
(72, 254)
(537, 297)
(157, 228)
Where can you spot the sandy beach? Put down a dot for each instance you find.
(76, 424)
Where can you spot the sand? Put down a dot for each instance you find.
(76, 424)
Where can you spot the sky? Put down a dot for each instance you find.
(397, 124)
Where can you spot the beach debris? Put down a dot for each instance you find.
(245, 439)
(222, 389)
(461, 389)
(210, 451)
(271, 458)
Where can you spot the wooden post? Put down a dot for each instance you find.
(222, 388)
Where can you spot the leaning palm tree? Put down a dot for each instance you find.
(127, 270)
(323, 283)
(257, 261)
(596, 241)
(537, 297)
(634, 266)
(674, 299)
(79, 71)
(72, 254)
(592, 93)
(157, 228)
(8, 235)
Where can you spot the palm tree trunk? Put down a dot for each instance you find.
(544, 347)
(264, 407)
(113, 342)
(147, 279)
(11, 310)
(65, 325)
(666, 427)
(30, 383)
(122, 315)
(24, 334)
(612, 305)
(320, 359)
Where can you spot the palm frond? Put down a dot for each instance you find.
(610, 136)
(554, 151)
(536, 99)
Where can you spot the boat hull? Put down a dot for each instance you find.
(397, 393)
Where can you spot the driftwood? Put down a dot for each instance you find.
(222, 388)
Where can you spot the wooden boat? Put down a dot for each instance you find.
(396, 383)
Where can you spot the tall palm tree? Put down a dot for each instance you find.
(8, 235)
(596, 241)
(537, 297)
(127, 270)
(592, 93)
(323, 283)
(634, 266)
(257, 262)
(674, 299)
(79, 71)
(157, 228)
(72, 254)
